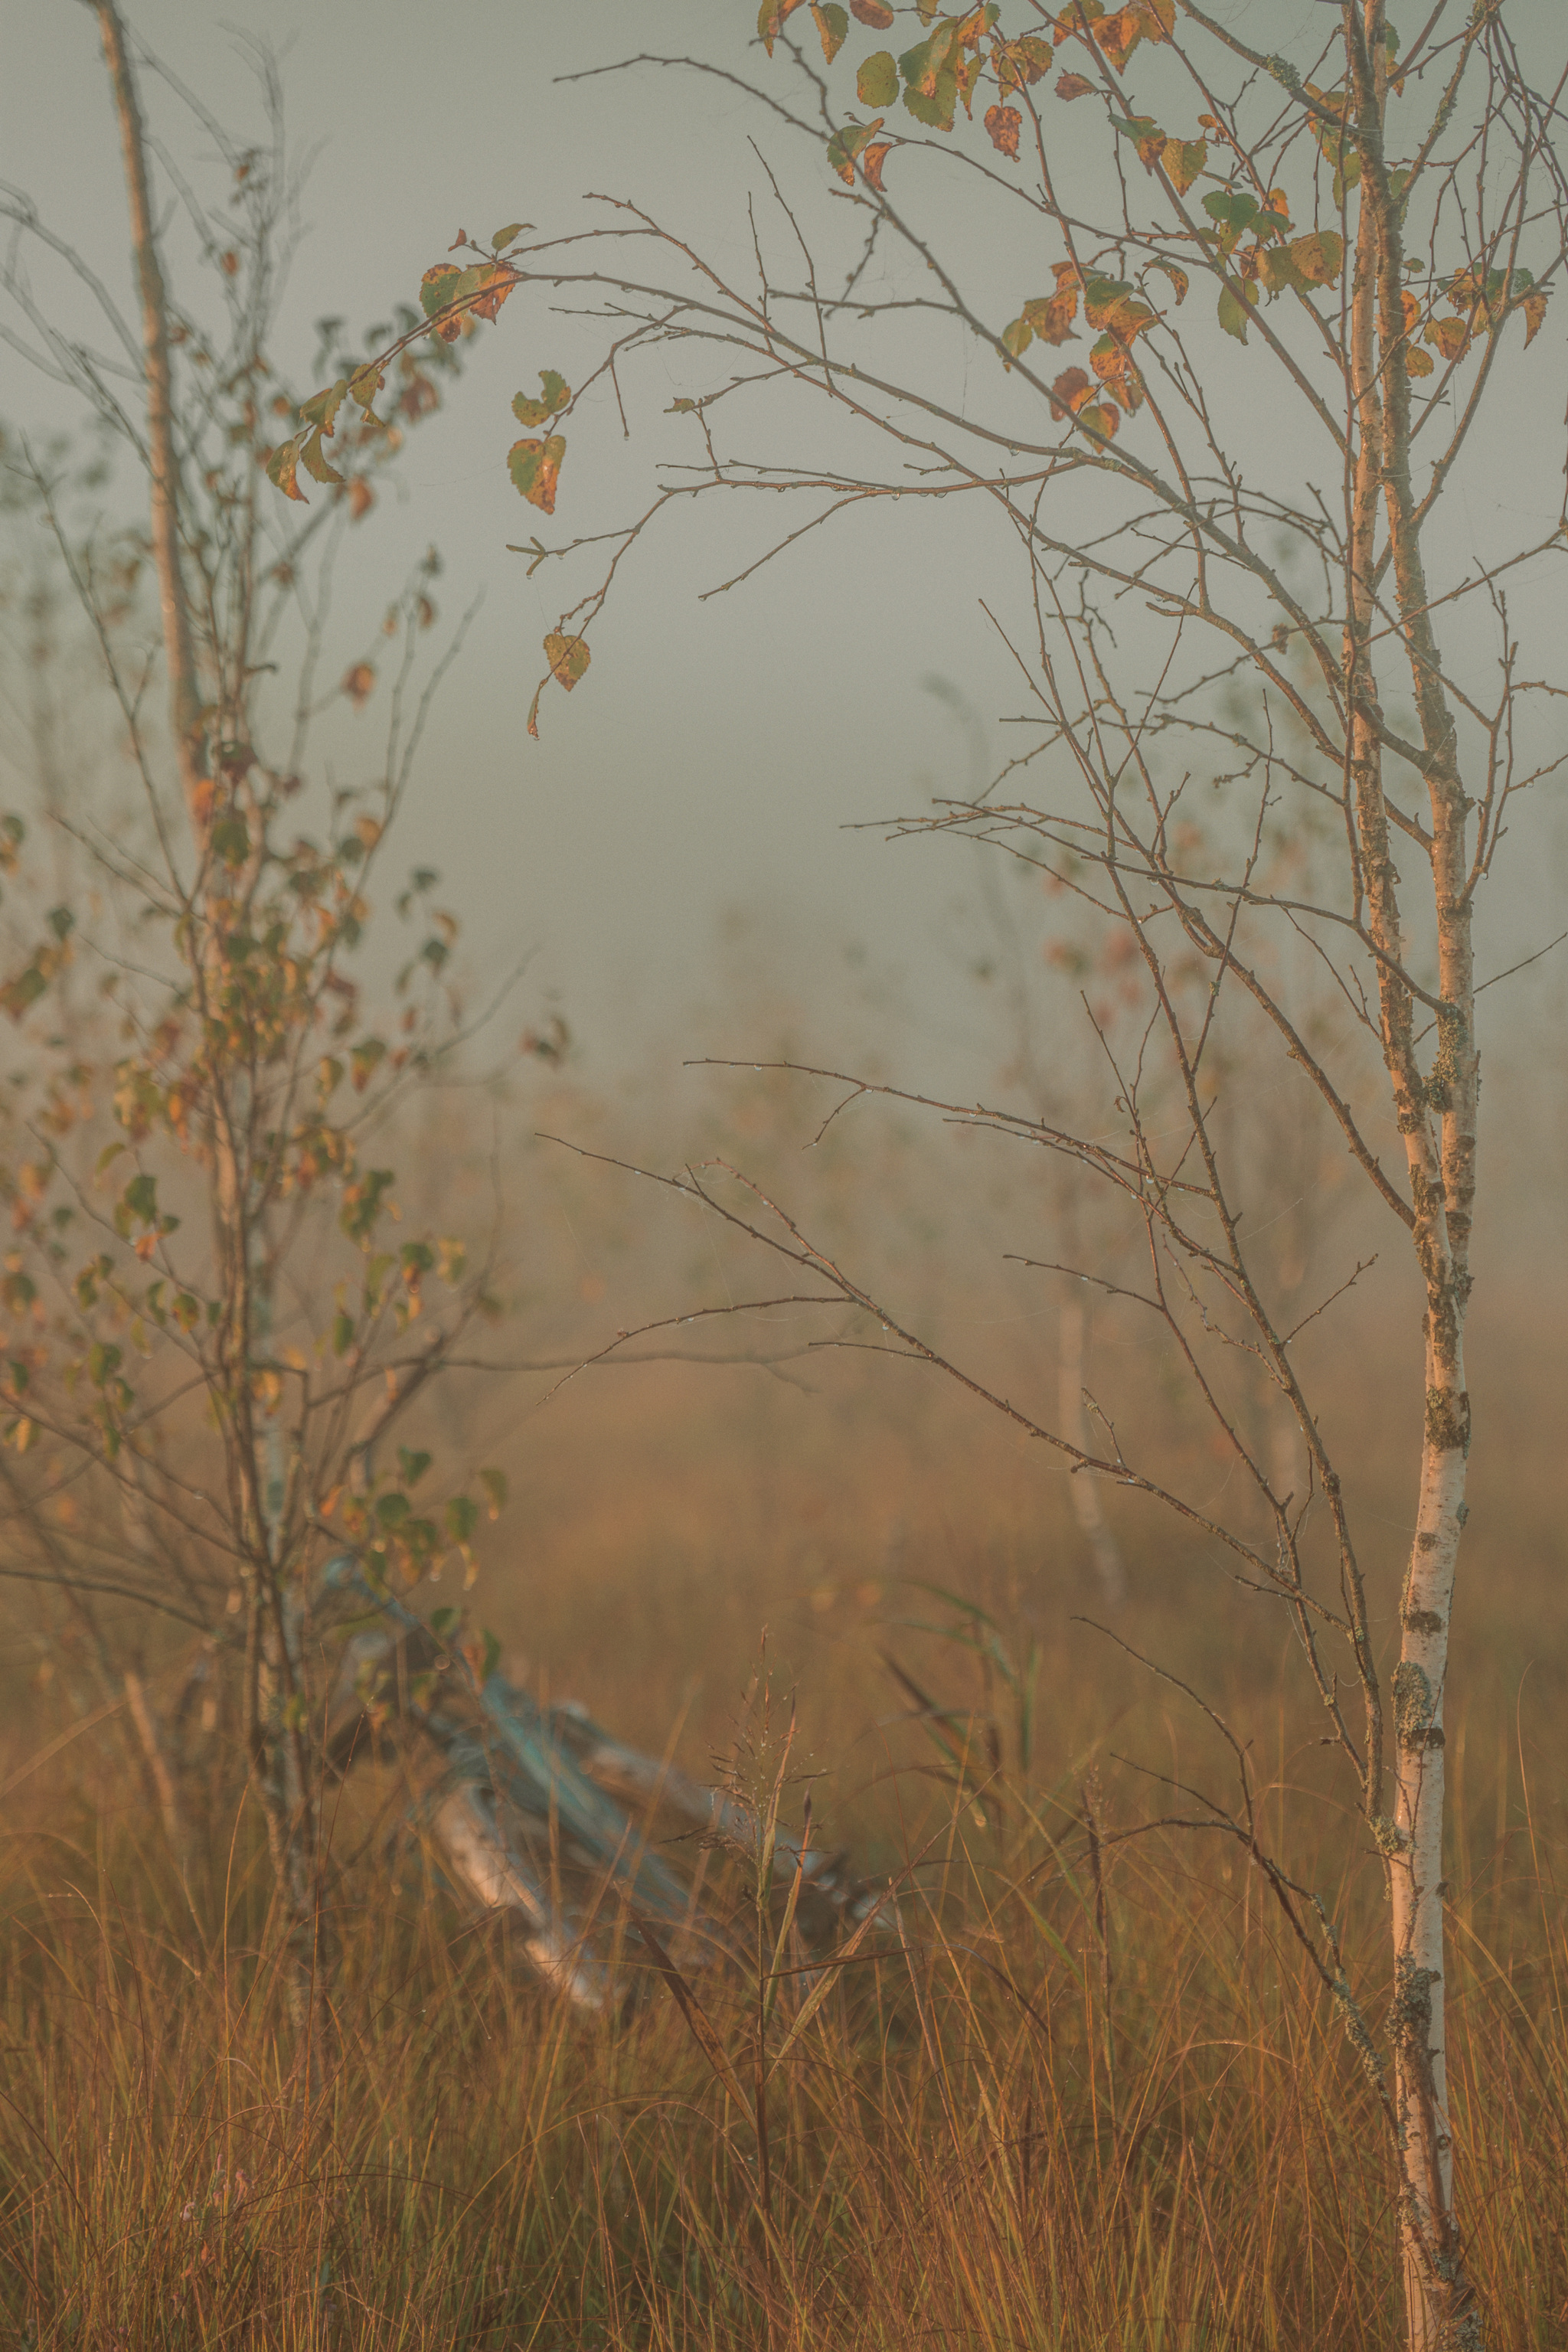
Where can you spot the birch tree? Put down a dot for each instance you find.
(215, 1336)
(1307, 293)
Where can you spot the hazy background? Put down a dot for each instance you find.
(673, 854)
(706, 769)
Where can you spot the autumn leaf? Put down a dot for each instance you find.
(1019, 63)
(1117, 36)
(362, 497)
(1184, 159)
(436, 289)
(495, 283)
(358, 684)
(535, 468)
(1278, 271)
(322, 409)
(1535, 308)
(313, 458)
(365, 383)
(1416, 361)
(1113, 366)
(874, 13)
(280, 470)
(1071, 86)
(771, 18)
(557, 396)
(832, 26)
(1017, 337)
(1069, 391)
(1233, 311)
(1145, 134)
(568, 659)
(1449, 336)
(1052, 319)
(1319, 257)
(1003, 124)
(877, 83)
(847, 146)
(871, 162)
(509, 236)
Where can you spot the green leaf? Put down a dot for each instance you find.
(505, 236)
(141, 1198)
(1233, 315)
(437, 288)
(535, 470)
(343, 1334)
(392, 1509)
(847, 146)
(315, 462)
(321, 411)
(444, 1622)
(1017, 337)
(364, 384)
(462, 1517)
(494, 1483)
(936, 108)
(877, 83)
(230, 841)
(411, 1466)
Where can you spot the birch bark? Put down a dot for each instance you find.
(1436, 1119)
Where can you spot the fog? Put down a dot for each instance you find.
(705, 780)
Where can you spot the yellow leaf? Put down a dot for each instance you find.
(1184, 159)
(568, 659)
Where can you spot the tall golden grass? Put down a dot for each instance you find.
(1023, 2118)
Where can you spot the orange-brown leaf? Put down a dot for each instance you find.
(874, 13)
(358, 684)
(499, 282)
(872, 161)
(1117, 36)
(1003, 124)
(1069, 391)
(770, 19)
(1535, 308)
(1052, 320)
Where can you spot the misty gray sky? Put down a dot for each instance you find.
(712, 759)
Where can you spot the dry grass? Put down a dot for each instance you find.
(970, 2145)
(966, 2149)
